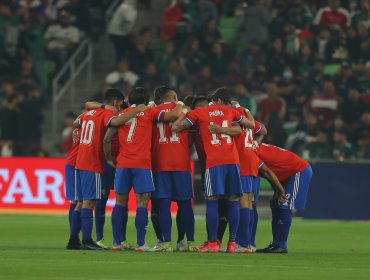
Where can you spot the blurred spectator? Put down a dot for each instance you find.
(6, 92)
(209, 35)
(207, 10)
(171, 16)
(217, 59)
(255, 22)
(121, 25)
(272, 103)
(30, 128)
(251, 57)
(61, 39)
(363, 34)
(344, 80)
(365, 80)
(205, 81)
(192, 57)
(323, 46)
(343, 150)
(319, 147)
(352, 110)
(231, 77)
(67, 139)
(305, 60)
(333, 16)
(353, 44)
(27, 77)
(141, 54)
(121, 75)
(244, 98)
(150, 80)
(296, 106)
(166, 57)
(277, 58)
(313, 82)
(362, 15)
(276, 133)
(326, 104)
(9, 129)
(174, 76)
(362, 135)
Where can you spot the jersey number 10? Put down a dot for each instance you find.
(87, 132)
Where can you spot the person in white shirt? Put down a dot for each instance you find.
(121, 25)
(121, 75)
(61, 39)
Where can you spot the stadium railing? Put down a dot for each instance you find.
(65, 80)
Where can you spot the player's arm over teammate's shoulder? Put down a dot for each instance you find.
(107, 144)
(77, 122)
(172, 115)
(92, 105)
(125, 117)
(184, 121)
(231, 131)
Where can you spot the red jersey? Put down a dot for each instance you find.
(72, 155)
(244, 144)
(220, 149)
(135, 138)
(170, 150)
(94, 124)
(282, 162)
(115, 147)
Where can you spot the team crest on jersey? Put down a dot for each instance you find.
(91, 113)
(216, 113)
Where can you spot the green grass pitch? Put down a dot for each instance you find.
(32, 247)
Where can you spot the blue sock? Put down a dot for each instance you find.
(75, 224)
(254, 212)
(285, 220)
(274, 223)
(117, 223)
(251, 222)
(100, 216)
(179, 224)
(165, 219)
(154, 216)
(141, 223)
(71, 209)
(222, 218)
(212, 219)
(124, 223)
(243, 234)
(187, 218)
(86, 224)
(233, 218)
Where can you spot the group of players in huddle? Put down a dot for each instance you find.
(145, 145)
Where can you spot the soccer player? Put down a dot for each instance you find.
(295, 175)
(74, 216)
(89, 163)
(134, 164)
(222, 176)
(172, 174)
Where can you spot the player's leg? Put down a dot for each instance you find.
(154, 216)
(222, 218)
(122, 186)
(254, 212)
(107, 184)
(73, 218)
(143, 186)
(296, 191)
(214, 182)
(91, 191)
(233, 191)
(182, 193)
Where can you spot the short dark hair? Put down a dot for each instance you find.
(161, 93)
(223, 94)
(113, 94)
(197, 100)
(138, 95)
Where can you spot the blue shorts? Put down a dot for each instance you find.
(140, 179)
(256, 188)
(108, 177)
(88, 185)
(176, 185)
(247, 183)
(223, 180)
(70, 182)
(296, 189)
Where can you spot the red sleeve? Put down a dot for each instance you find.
(257, 127)
(192, 117)
(157, 114)
(237, 116)
(108, 116)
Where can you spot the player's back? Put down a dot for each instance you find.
(220, 149)
(282, 162)
(94, 124)
(72, 154)
(170, 150)
(135, 139)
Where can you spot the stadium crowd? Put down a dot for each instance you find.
(302, 67)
